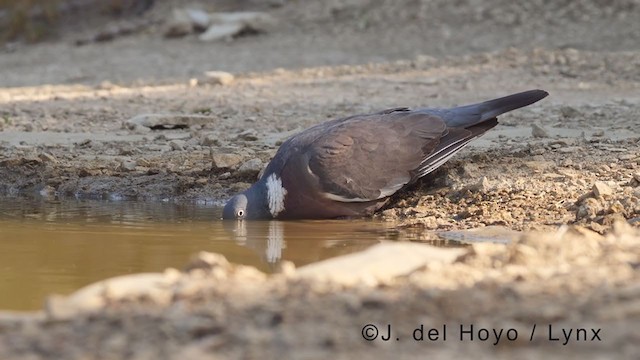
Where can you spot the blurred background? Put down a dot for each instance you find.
(150, 41)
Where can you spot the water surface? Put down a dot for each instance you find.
(59, 246)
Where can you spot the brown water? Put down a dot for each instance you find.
(57, 247)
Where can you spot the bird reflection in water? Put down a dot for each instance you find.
(304, 242)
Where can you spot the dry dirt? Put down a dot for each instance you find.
(72, 138)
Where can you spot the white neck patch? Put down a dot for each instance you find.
(275, 194)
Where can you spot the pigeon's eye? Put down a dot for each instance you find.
(240, 213)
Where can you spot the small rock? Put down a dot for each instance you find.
(248, 135)
(614, 149)
(168, 121)
(481, 186)
(254, 20)
(218, 78)
(251, 166)
(378, 264)
(138, 129)
(47, 191)
(225, 175)
(564, 142)
(46, 157)
(177, 145)
(589, 208)
(566, 162)
(569, 112)
(200, 20)
(128, 165)
(636, 176)
(616, 208)
(598, 133)
(538, 151)
(221, 32)
(602, 189)
(193, 142)
(226, 161)
(210, 139)
(179, 25)
(538, 131)
(160, 148)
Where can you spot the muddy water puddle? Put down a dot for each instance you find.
(59, 246)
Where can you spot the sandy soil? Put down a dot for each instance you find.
(573, 158)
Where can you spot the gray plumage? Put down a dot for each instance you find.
(350, 166)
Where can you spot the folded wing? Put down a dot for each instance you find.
(371, 157)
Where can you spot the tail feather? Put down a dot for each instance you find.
(469, 115)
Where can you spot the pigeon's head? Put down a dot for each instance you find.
(251, 204)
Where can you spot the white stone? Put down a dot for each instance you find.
(199, 19)
(538, 131)
(218, 78)
(378, 264)
(221, 32)
(253, 19)
(601, 189)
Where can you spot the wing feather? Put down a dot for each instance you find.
(371, 157)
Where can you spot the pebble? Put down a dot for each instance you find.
(210, 140)
(616, 208)
(221, 32)
(379, 264)
(128, 165)
(538, 151)
(160, 148)
(200, 20)
(48, 158)
(226, 161)
(252, 166)
(482, 185)
(538, 131)
(217, 78)
(569, 112)
(248, 135)
(615, 149)
(168, 121)
(254, 19)
(179, 25)
(601, 189)
(589, 208)
(177, 145)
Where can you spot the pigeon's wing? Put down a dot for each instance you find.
(370, 157)
(451, 143)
